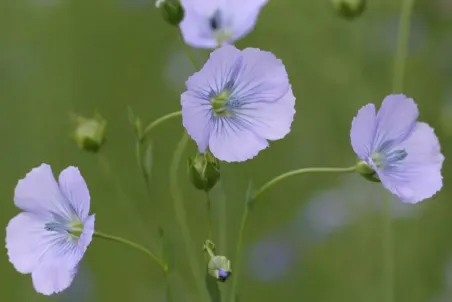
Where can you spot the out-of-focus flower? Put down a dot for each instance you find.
(238, 101)
(404, 153)
(208, 24)
(49, 238)
(271, 258)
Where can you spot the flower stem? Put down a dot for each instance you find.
(209, 215)
(254, 198)
(397, 86)
(133, 245)
(189, 53)
(158, 121)
(180, 212)
(402, 45)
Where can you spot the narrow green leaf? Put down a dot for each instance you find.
(166, 248)
(147, 164)
(131, 115)
(212, 288)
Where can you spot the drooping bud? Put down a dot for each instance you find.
(367, 171)
(172, 11)
(349, 9)
(204, 171)
(218, 267)
(90, 133)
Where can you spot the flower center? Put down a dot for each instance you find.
(218, 26)
(382, 160)
(220, 104)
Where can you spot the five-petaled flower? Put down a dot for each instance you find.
(238, 101)
(404, 153)
(49, 238)
(210, 23)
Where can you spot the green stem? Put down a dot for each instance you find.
(397, 86)
(157, 122)
(189, 53)
(133, 245)
(402, 45)
(259, 193)
(180, 212)
(209, 215)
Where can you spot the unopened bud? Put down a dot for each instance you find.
(90, 133)
(204, 171)
(172, 11)
(349, 9)
(367, 171)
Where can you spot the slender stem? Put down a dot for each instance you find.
(142, 169)
(209, 215)
(397, 86)
(158, 121)
(133, 245)
(255, 196)
(298, 172)
(402, 45)
(190, 54)
(180, 212)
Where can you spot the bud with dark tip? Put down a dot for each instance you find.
(90, 133)
(218, 267)
(349, 9)
(172, 11)
(204, 171)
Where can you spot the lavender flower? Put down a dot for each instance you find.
(238, 101)
(208, 24)
(50, 237)
(404, 153)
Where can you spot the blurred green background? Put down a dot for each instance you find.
(312, 238)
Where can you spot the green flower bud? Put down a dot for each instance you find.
(366, 171)
(204, 171)
(172, 11)
(350, 9)
(219, 267)
(90, 133)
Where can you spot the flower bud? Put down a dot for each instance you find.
(172, 11)
(219, 267)
(367, 171)
(204, 171)
(349, 8)
(90, 133)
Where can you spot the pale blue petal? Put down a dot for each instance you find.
(418, 175)
(74, 188)
(363, 131)
(245, 13)
(216, 72)
(197, 118)
(269, 120)
(39, 193)
(395, 121)
(233, 141)
(53, 275)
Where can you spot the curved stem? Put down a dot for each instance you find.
(298, 172)
(157, 122)
(402, 45)
(180, 212)
(258, 193)
(133, 245)
(189, 53)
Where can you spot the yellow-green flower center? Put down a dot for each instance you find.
(220, 104)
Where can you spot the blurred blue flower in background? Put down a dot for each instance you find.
(238, 101)
(404, 153)
(270, 258)
(49, 238)
(208, 24)
(331, 210)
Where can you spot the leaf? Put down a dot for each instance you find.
(249, 195)
(166, 248)
(212, 288)
(147, 164)
(131, 115)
